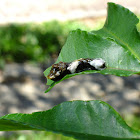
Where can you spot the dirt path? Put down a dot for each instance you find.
(23, 86)
(45, 10)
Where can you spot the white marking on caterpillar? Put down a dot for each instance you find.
(98, 63)
(57, 73)
(73, 66)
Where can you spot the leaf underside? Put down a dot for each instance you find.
(80, 119)
(118, 43)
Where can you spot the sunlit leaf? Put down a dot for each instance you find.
(118, 43)
(80, 119)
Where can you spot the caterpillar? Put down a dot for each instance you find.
(61, 69)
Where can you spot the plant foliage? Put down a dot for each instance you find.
(80, 119)
(36, 42)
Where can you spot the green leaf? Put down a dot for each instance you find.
(121, 26)
(80, 119)
(118, 43)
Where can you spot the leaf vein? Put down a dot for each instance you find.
(125, 44)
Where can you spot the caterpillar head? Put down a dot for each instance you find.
(58, 71)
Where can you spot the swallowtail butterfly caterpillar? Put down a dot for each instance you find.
(61, 69)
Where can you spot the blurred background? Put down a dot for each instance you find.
(32, 34)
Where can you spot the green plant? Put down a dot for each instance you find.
(36, 42)
(118, 44)
(34, 135)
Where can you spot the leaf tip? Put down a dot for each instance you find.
(126, 10)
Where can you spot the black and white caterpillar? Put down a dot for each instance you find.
(61, 69)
